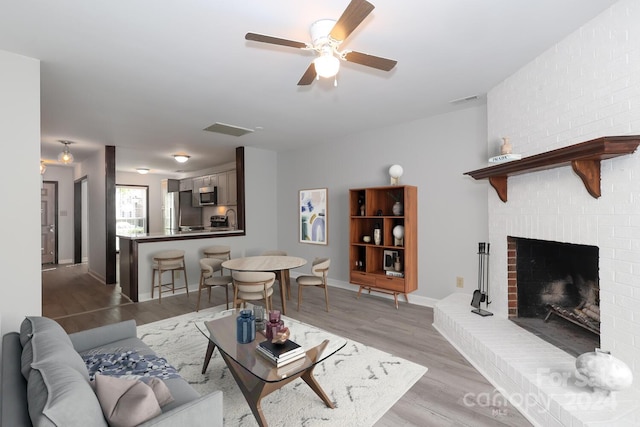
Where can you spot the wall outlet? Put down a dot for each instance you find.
(460, 282)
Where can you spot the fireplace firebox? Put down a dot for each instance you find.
(554, 292)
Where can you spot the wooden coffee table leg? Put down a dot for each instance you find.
(210, 348)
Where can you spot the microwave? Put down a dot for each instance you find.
(208, 196)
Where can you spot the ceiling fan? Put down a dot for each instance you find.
(327, 35)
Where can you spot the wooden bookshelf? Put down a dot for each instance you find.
(367, 259)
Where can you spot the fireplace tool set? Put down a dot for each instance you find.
(481, 295)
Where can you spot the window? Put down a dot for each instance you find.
(132, 210)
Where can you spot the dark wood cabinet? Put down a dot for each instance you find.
(389, 265)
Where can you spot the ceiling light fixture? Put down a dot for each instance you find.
(142, 171)
(327, 65)
(65, 157)
(181, 158)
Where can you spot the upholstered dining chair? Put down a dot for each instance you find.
(165, 261)
(282, 280)
(209, 279)
(319, 271)
(252, 286)
(222, 252)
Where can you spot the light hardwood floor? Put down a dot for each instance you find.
(451, 393)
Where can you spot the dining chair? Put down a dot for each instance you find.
(209, 279)
(165, 261)
(222, 252)
(252, 286)
(319, 271)
(286, 280)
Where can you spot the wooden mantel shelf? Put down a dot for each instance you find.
(584, 158)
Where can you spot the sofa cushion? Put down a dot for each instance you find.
(45, 338)
(126, 402)
(60, 396)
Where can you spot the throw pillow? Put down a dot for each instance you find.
(52, 341)
(160, 389)
(125, 402)
(60, 396)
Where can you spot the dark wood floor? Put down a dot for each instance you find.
(451, 393)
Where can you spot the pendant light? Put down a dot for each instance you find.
(65, 157)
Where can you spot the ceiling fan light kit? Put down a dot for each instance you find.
(326, 36)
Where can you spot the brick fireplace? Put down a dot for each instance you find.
(583, 87)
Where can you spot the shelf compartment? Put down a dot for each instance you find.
(584, 158)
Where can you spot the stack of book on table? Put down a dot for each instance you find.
(280, 354)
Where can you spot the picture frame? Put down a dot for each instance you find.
(313, 219)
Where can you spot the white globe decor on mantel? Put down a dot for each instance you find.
(395, 172)
(603, 372)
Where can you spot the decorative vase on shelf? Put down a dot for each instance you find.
(397, 209)
(377, 234)
(397, 266)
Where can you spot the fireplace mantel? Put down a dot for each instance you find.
(584, 158)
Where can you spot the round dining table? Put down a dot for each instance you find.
(267, 263)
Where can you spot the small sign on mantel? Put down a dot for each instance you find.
(505, 158)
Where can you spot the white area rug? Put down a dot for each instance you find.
(362, 382)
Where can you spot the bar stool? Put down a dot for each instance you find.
(282, 280)
(172, 260)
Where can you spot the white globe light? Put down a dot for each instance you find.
(395, 172)
(327, 65)
(398, 231)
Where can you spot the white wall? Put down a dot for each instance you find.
(64, 177)
(434, 152)
(20, 214)
(584, 87)
(93, 169)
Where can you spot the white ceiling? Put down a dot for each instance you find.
(147, 76)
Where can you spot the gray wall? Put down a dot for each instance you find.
(452, 208)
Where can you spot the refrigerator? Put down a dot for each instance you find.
(189, 215)
(170, 208)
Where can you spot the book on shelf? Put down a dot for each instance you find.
(505, 158)
(394, 273)
(283, 360)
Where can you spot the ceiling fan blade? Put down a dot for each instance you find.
(308, 76)
(352, 16)
(371, 61)
(274, 40)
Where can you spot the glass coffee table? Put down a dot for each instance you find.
(255, 375)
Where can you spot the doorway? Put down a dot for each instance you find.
(49, 222)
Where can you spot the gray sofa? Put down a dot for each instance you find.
(45, 381)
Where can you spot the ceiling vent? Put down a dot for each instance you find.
(228, 129)
(466, 99)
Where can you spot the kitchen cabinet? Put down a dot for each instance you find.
(186, 184)
(227, 192)
(210, 180)
(197, 183)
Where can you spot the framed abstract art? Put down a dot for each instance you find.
(313, 216)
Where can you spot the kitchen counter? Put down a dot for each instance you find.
(136, 253)
(183, 234)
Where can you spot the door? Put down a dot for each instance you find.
(48, 222)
